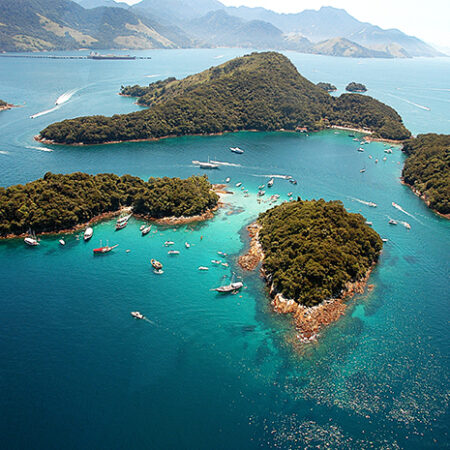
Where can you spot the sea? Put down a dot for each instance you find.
(204, 370)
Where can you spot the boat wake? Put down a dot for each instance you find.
(153, 75)
(283, 177)
(363, 202)
(66, 96)
(218, 56)
(224, 163)
(42, 149)
(3, 152)
(43, 113)
(402, 210)
(411, 103)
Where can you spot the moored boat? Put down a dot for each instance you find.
(105, 249)
(360, 149)
(270, 183)
(146, 230)
(227, 180)
(137, 315)
(237, 150)
(62, 241)
(173, 252)
(167, 243)
(238, 184)
(31, 241)
(187, 245)
(88, 233)
(392, 222)
(203, 268)
(156, 264)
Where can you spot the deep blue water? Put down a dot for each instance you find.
(214, 371)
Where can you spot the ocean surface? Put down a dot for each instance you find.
(204, 370)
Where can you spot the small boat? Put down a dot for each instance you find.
(406, 225)
(104, 249)
(167, 243)
(228, 180)
(363, 142)
(372, 204)
(127, 251)
(270, 183)
(376, 161)
(203, 268)
(141, 227)
(187, 245)
(122, 222)
(370, 156)
(233, 286)
(351, 135)
(156, 264)
(261, 193)
(289, 194)
(173, 252)
(388, 150)
(158, 271)
(261, 187)
(384, 239)
(392, 222)
(31, 241)
(222, 253)
(369, 223)
(62, 242)
(385, 159)
(137, 315)
(356, 139)
(293, 181)
(225, 264)
(146, 230)
(237, 150)
(88, 233)
(362, 170)
(238, 184)
(216, 261)
(360, 149)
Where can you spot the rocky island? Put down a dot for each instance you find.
(427, 170)
(258, 92)
(355, 87)
(314, 254)
(62, 202)
(327, 86)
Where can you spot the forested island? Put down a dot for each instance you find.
(355, 87)
(260, 91)
(60, 202)
(314, 248)
(427, 169)
(327, 86)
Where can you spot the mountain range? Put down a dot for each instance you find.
(36, 25)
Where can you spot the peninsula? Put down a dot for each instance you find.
(427, 170)
(260, 91)
(4, 105)
(314, 253)
(61, 202)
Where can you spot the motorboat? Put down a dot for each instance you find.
(156, 264)
(369, 223)
(88, 233)
(289, 194)
(122, 222)
(227, 180)
(261, 187)
(173, 252)
(187, 245)
(158, 271)
(237, 150)
(392, 222)
(360, 149)
(137, 315)
(270, 183)
(261, 193)
(362, 170)
(372, 204)
(31, 241)
(141, 227)
(203, 268)
(216, 261)
(167, 243)
(238, 184)
(146, 230)
(62, 242)
(293, 181)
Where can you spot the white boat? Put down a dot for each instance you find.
(31, 241)
(289, 194)
(237, 150)
(167, 243)
(137, 315)
(372, 204)
(62, 242)
(392, 222)
(385, 159)
(261, 193)
(362, 170)
(261, 187)
(146, 230)
(216, 261)
(141, 227)
(233, 286)
(369, 223)
(205, 164)
(225, 264)
(88, 233)
(173, 252)
(406, 225)
(222, 253)
(238, 184)
(158, 271)
(360, 149)
(187, 245)
(270, 183)
(384, 239)
(203, 268)
(227, 180)
(388, 150)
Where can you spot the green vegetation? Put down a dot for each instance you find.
(327, 86)
(355, 87)
(313, 248)
(261, 91)
(58, 202)
(427, 169)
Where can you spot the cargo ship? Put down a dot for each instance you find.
(98, 56)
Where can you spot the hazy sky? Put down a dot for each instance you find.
(428, 20)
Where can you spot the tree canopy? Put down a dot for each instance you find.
(57, 202)
(427, 169)
(313, 248)
(260, 91)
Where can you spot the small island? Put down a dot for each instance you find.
(355, 87)
(327, 87)
(256, 92)
(314, 253)
(57, 202)
(4, 106)
(427, 170)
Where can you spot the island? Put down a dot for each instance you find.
(355, 87)
(327, 86)
(427, 170)
(256, 92)
(314, 254)
(4, 106)
(58, 202)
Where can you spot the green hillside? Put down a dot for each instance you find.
(261, 91)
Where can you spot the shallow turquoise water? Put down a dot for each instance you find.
(214, 371)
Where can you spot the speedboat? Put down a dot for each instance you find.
(31, 241)
(156, 264)
(227, 180)
(372, 204)
(362, 170)
(88, 233)
(369, 223)
(229, 287)
(173, 252)
(360, 149)
(406, 225)
(167, 243)
(293, 181)
(238, 184)
(62, 242)
(270, 183)
(187, 245)
(146, 230)
(237, 150)
(203, 268)
(392, 222)
(261, 187)
(215, 261)
(137, 315)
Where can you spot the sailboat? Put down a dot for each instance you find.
(31, 239)
(104, 249)
(233, 286)
(146, 230)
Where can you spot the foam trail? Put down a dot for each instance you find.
(284, 177)
(218, 56)
(43, 113)
(65, 97)
(362, 201)
(3, 152)
(42, 149)
(224, 163)
(153, 76)
(410, 102)
(402, 210)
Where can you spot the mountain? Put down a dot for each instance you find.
(344, 47)
(89, 4)
(36, 25)
(260, 91)
(328, 22)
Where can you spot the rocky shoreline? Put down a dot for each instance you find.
(309, 321)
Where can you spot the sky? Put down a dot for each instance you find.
(428, 20)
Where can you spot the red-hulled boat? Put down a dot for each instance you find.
(105, 249)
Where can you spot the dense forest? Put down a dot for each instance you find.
(327, 86)
(427, 169)
(56, 202)
(261, 91)
(313, 248)
(355, 87)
